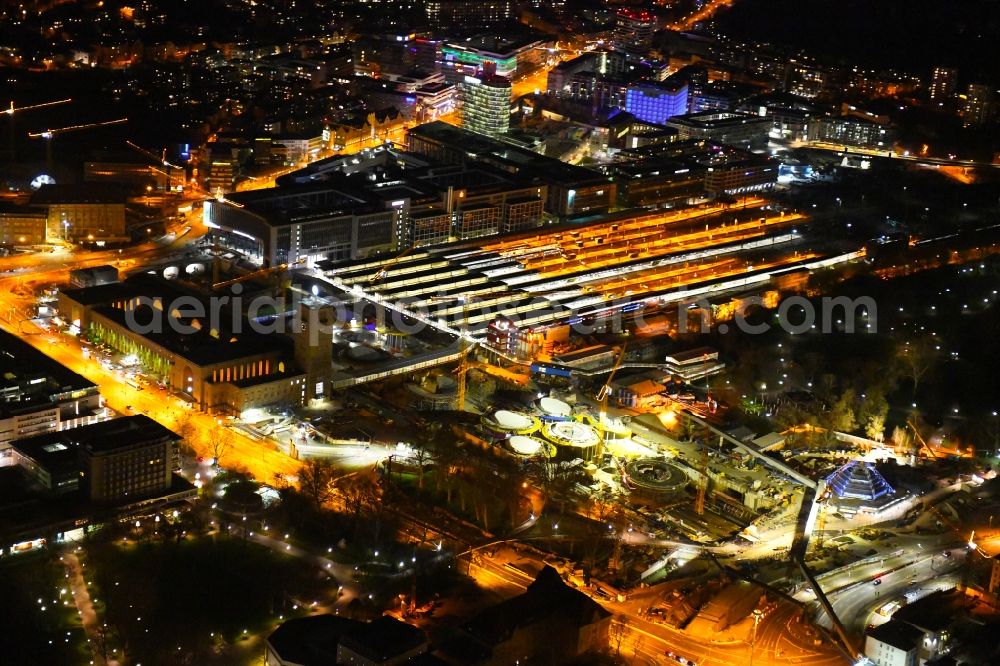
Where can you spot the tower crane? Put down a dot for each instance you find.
(12, 111)
(160, 159)
(923, 443)
(256, 274)
(50, 134)
(467, 344)
(602, 398)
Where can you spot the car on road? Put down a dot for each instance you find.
(877, 581)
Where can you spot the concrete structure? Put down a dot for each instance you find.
(944, 83)
(979, 105)
(657, 103)
(851, 131)
(138, 175)
(93, 276)
(374, 201)
(693, 364)
(509, 56)
(209, 363)
(570, 190)
(469, 14)
(634, 29)
(112, 462)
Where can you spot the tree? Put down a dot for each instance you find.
(316, 481)
(220, 441)
(916, 359)
(618, 632)
(872, 413)
(187, 431)
(875, 427)
(840, 416)
(421, 456)
(901, 439)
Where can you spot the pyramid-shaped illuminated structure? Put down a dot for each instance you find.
(860, 481)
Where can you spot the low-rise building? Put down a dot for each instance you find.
(222, 367)
(894, 643)
(111, 462)
(319, 640)
(22, 224)
(39, 395)
(93, 276)
(92, 213)
(550, 622)
(725, 127)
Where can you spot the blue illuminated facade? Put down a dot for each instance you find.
(859, 480)
(656, 104)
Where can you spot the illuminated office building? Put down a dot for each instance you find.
(486, 101)
(656, 103)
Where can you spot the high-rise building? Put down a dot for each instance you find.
(634, 29)
(486, 104)
(944, 82)
(980, 104)
(656, 103)
(469, 14)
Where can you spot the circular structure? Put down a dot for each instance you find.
(655, 477)
(530, 446)
(518, 422)
(554, 407)
(575, 440)
(42, 179)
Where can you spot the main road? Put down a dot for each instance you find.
(25, 273)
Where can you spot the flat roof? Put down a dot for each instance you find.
(900, 635)
(86, 193)
(200, 347)
(39, 376)
(97, 437)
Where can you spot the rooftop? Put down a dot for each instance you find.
(548, 596)
(87, 193)
(313, 640)
(29, 378)
(898, 634)
(97, 437)
(859, 480)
